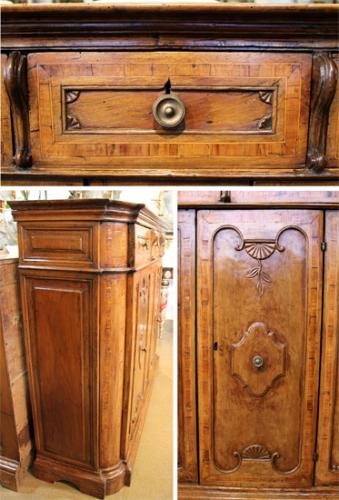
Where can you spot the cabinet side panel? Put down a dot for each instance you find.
(327, 471)
(59, 338)
(187, 432)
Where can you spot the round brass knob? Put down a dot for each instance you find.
(258, 362)
(169, 111)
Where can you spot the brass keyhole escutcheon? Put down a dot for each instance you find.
(258, 361)
(169, 111)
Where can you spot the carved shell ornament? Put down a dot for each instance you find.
(260, 250)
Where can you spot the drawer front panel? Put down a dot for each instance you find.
(91, 109)
(58, 244)
(259, 287)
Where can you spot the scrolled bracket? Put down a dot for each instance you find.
(324, 81)
(15, 78)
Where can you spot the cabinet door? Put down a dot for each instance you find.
(141, 350)
(327, 471)
(259, 299)
(187, 444)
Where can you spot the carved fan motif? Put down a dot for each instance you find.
(256, 452)
(72, 96)
(266, 96)
(72, 122)
(260, 250)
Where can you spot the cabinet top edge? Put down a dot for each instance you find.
(100, 209)
(102, 20)
(259, 205)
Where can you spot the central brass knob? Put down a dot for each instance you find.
(169, 111)
(258, 362)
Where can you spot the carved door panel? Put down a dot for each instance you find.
(327, 471)
(141, 349)
(61, 364)
(259, 299)
(187, 444)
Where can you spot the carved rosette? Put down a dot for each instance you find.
(15, 79)
(324, 81)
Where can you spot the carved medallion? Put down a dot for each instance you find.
(258, 359)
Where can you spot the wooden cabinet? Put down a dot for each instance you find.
(260, 303)
(199, 91)
(89, 310)
(15, 412)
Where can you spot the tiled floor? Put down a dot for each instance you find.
(152, 474)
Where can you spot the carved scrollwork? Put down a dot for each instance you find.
(324, 81)
(15, 78)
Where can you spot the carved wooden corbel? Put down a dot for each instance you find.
(16, 85)
(324, 81)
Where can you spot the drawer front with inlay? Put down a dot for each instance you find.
(162, 110)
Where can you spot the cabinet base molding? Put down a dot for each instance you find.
(12, 472)
(97, 483)
(198, 492)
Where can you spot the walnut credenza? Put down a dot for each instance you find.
(90, 274)
(15, 414)
(170, 92)
(258, 346)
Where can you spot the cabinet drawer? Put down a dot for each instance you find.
(96, 109)
(58, 244)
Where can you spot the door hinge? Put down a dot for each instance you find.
(324, 246)
(315, 456)
(215, 346)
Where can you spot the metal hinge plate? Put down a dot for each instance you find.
(315, 456)
(324, 246)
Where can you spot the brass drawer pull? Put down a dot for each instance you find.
(169, 111)
(258, 362)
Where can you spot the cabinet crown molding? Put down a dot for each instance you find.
(90, 209)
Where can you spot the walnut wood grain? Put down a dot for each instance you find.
(79, 278)
(327, 468)
(187, 406)
(16, 86)
(324, 81)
